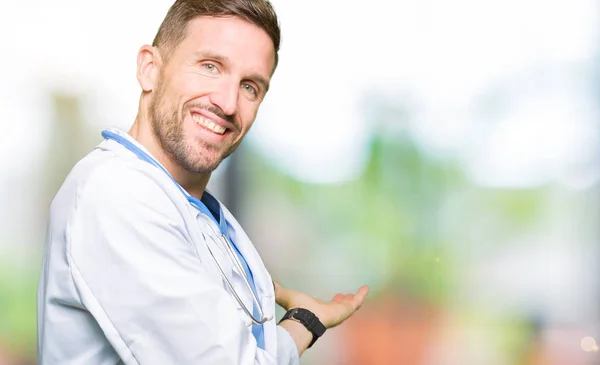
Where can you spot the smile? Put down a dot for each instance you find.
(208, 124)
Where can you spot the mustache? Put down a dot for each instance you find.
(215, 110)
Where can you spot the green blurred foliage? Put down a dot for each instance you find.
(391, 210)
(18, 323)
(407, 207)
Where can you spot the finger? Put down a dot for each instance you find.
(338, 297)
(361, 294)
(348, 297)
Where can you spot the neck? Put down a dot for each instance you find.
(193, 183)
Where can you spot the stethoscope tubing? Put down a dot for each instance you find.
(228, 245)
(234, 258)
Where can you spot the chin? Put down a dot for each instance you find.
(203, 161)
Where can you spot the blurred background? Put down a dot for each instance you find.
(446, 153)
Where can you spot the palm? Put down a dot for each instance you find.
(330, 313)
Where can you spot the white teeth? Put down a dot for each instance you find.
(208, 124)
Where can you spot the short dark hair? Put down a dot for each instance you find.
(173, 29)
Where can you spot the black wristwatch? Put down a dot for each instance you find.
(309, 320)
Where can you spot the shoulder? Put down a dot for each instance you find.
(117, 185)
(128, 183)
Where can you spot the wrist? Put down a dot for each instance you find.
(300, 334)
(309, 320)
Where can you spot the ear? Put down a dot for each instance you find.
(148, 67)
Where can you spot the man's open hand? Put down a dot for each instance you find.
(331, 313)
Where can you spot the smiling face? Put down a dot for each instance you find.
(206, 96)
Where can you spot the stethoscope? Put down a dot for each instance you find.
(198, 204)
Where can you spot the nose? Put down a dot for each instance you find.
(226, 96)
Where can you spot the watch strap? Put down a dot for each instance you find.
(309, 320)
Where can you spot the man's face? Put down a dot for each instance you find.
(209, 91)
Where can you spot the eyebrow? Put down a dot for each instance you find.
(260, 80)
(264, 83)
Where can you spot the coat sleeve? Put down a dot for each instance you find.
(140, 277)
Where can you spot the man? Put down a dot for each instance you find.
(142, 265)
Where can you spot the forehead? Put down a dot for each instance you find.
(247, 46)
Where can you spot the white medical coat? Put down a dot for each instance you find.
(127, 277)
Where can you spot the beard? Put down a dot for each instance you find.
(193, 155)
